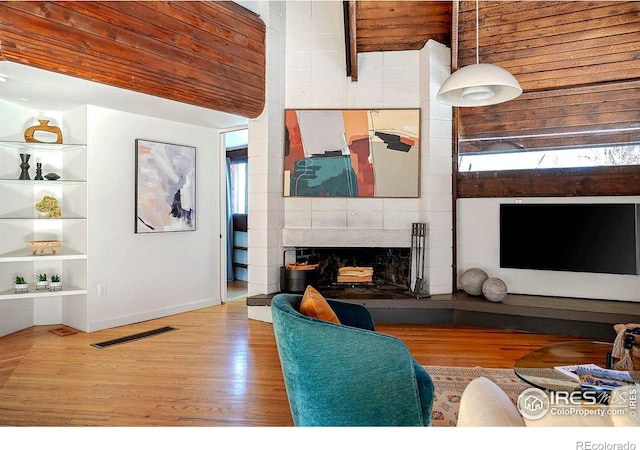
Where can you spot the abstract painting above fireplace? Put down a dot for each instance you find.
(352, 153)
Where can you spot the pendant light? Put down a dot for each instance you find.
(479, 84)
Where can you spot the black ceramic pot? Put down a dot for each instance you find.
(296, 281)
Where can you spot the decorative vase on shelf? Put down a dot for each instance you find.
(43, 127)
(24, 165)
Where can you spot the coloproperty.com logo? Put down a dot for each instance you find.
(534, 403)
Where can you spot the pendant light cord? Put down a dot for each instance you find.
(477, 35)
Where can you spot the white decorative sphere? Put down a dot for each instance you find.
(472, 280)
(494, 289)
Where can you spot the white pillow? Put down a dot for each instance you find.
(484, 404)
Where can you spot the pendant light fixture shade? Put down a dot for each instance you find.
(478, 84)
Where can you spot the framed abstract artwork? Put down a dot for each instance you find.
(352, 153)
(165, 187)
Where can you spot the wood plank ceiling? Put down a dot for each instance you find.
(545, 44)
(209, 53)
(401, 25)
(376, 26)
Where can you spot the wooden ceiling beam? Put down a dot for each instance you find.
(352, 42)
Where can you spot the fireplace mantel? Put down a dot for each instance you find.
(346, 237)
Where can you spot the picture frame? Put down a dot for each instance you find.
(165, 194)
(362, 153)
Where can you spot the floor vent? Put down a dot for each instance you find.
(133, 337)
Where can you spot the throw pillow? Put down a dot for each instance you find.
(484, 404)
(313, 304)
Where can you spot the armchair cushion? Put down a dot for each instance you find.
(314, 305)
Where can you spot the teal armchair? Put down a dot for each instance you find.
(347, 374)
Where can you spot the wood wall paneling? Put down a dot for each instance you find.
(210, 54)
(573, 182)
(552, 45)
(579, 66)
(590, 115)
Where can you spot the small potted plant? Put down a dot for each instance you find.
(55, 284)
(41, 282)
(21, 286)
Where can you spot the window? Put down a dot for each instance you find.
(625, 155)
(236, 144)
(238, 172)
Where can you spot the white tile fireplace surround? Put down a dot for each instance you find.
(341, 237)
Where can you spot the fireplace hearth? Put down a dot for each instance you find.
(359, 292)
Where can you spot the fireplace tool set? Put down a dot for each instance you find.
(418, 283)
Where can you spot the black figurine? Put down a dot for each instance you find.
(38, 172)
(24, 165)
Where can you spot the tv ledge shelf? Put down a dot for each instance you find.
(589, 318)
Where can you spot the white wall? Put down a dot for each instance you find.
(147, 275)
(316, 78)
(479, 246)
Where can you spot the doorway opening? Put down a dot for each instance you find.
(237, 242)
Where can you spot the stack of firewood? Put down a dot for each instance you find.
(301, 266)
(355, 275)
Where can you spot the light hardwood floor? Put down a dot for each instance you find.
(236, 289)
(217, 369)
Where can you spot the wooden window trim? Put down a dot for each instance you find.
(569, 182)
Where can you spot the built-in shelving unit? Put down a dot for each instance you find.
(20, 222)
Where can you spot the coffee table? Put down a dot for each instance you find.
(537, 367)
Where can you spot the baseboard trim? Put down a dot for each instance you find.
(149, 315)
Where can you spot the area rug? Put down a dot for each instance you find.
(450, 382)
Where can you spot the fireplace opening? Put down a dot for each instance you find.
(390, 270)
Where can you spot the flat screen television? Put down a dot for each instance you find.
(577, 237)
